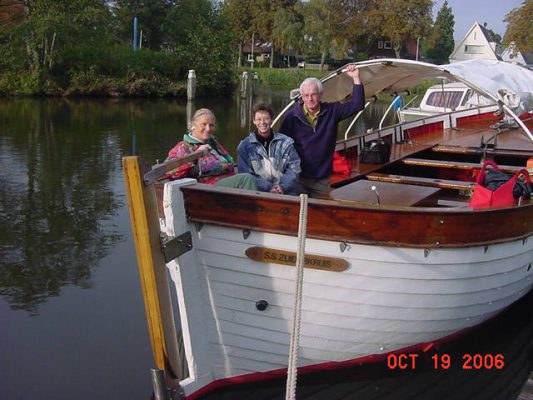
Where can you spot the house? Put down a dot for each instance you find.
(259, 52)
(383, 48)
(514, 56)
(477, 44)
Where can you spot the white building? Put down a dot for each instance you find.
(476, 44)
(512, 55)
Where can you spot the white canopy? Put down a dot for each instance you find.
(508, 84)
(392, 76)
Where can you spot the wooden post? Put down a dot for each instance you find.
(244, 84)
(152, 268)
(191, 85)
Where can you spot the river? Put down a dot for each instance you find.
(72, 321)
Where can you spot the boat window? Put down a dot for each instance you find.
(469, 94)
(444, 99)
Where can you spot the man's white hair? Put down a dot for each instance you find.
(312, 82)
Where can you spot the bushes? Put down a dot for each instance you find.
(117, 71)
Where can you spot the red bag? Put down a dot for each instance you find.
(500, 197)
(340, 164)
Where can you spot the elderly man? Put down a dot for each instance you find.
(313, 127)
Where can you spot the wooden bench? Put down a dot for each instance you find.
(510, 169)
(416, 180)
(388, 194)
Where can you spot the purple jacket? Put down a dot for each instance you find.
(316, 146)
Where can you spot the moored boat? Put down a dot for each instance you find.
(396, 259)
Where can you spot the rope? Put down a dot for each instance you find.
(292, 371)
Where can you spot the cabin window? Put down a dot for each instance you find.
(380, 44)
(473, 49)
(444, 99)
(387, 44)
(469, 94)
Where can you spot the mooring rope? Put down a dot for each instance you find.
(292, 371)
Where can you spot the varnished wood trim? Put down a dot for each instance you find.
(422, 181)
(331, 220)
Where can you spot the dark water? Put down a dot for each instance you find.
(72, 321)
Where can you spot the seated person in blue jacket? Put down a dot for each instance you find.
(269, 156)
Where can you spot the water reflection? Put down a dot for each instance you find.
(56, 191)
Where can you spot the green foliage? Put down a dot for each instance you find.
(117, 61)
(402, 20)
(441, 41)
(19, 84)
(519, 28)
(71, 47)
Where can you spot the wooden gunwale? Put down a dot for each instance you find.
(425, 227)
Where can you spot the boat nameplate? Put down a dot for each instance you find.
(174, 247)
(277, 256)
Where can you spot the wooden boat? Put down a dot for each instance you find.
(395, 258)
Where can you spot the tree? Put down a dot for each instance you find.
(198, 33)
(318, 29)
(51, 26)
(401, 20)
(440, 42)
(494, 37)
(239, 16)
(150, 16)
(287, 30)
(350, 22)
(519, 27)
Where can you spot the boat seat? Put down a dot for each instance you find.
(510, 169)
(422, 181)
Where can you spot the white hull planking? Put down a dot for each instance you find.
(387, 299)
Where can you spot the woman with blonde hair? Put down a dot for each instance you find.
(216, 165)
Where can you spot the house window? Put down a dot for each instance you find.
(250, 57)
(380, 44)
(387, 44)
(473, 49)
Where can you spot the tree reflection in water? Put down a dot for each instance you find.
(56, 192)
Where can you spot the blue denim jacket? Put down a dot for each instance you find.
(280, 165)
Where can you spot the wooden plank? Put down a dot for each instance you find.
(424, 162)
(422, 181)
(479, 151)
(152, 269)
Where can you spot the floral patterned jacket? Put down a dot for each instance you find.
(213, 166)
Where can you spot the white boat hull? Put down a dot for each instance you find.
(387, 299)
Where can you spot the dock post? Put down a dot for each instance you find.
(255, 84)
(191, 85)
(152, 269)
(244, 84)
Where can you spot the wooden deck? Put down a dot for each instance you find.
(464, 141)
